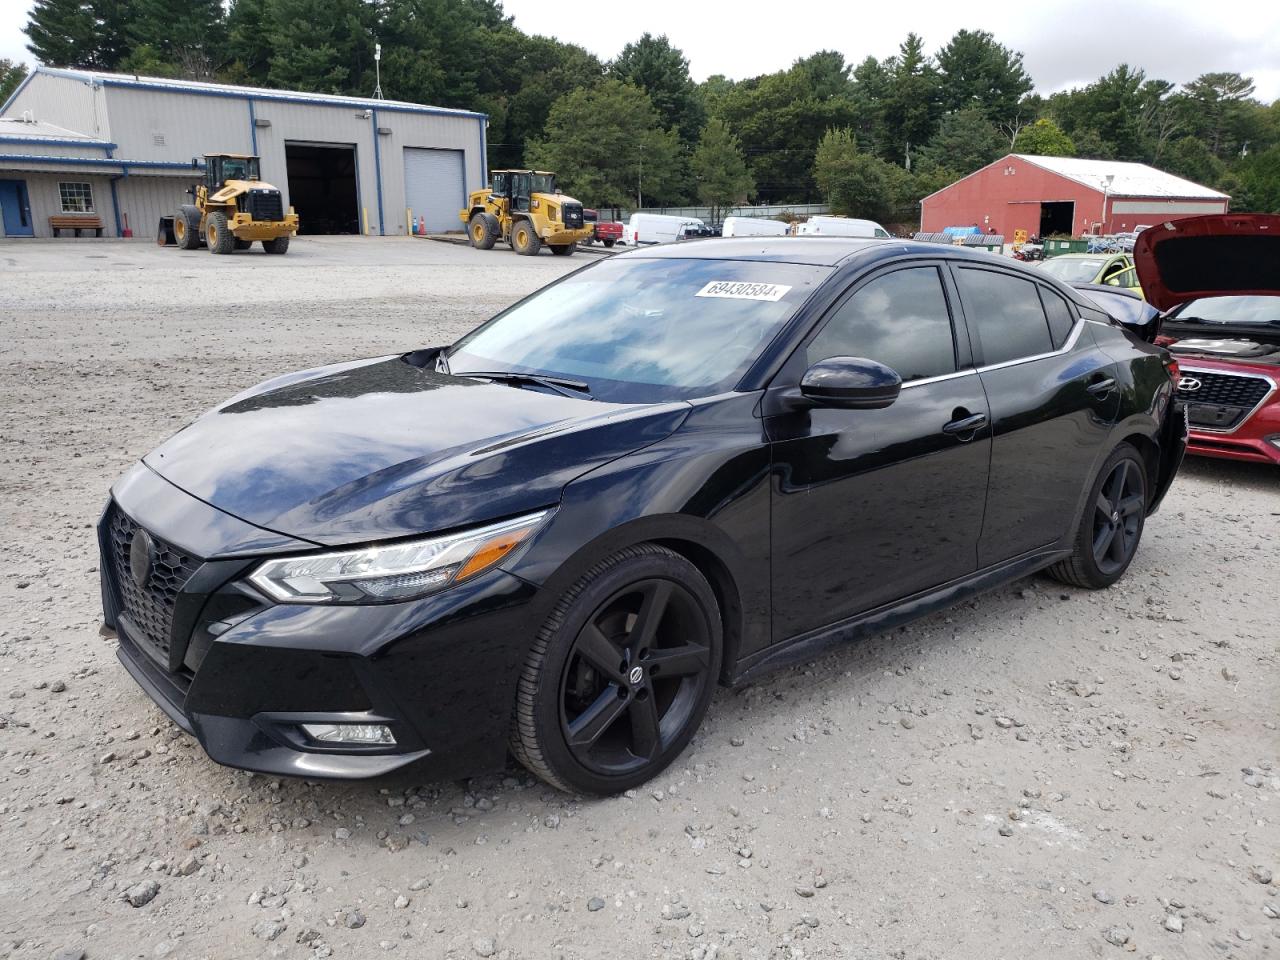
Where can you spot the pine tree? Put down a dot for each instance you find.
(11, 74)
(720, 169)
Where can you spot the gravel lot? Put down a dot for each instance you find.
(1044, 772)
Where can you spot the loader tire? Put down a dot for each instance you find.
(524, 239)
(563, 249)
(217, 233)
(186, 227)
(278, 245)
(243, 244)
(483, 230)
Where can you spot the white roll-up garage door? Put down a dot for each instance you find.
(435, 186)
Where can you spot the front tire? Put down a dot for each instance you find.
(563, 249)
(277, 246)
(186, 227)
(483, 230)
(218, 235)
(620, 675)
(1108, 535)
(524, 240)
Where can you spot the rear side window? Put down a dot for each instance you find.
(1006, 314)
(1061, 317)
(899, 319)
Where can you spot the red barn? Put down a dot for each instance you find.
(1063, 195)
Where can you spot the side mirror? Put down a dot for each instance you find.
(851, 383)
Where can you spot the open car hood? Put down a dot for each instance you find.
(1211, 256)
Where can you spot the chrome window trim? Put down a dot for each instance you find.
(1229, 373)
(967, 372)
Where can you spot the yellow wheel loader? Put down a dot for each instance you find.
(524, 208)
(232, 208)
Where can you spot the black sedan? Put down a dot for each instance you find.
(670, 469)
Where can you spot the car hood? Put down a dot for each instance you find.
(382, 448)
(1209, 256)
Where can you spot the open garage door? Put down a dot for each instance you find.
(435, 186)
(322, 186)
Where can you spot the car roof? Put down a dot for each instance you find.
(1084, 256)
(815, 251)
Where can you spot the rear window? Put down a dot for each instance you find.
(1006, 314)
(1061, 317)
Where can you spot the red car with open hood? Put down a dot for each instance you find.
(1217, 280)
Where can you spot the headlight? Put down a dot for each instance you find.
(397, 571)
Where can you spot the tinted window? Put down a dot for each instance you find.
(1006, 314)
(1061, 317)
(899, 319)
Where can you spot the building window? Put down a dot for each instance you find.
(76, 197)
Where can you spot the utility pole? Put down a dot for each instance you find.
(377, 67)
(1106, 193)
(640, 182)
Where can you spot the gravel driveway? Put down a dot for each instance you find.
(1043, 772)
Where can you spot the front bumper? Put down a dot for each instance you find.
(1260, 449)
(241, 674)
(557, 237)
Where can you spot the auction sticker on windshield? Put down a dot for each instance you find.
(738, 290)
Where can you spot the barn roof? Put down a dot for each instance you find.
(1129, 179)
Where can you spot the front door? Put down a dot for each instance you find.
(1054, 396)
(870, 506)
(15, 208)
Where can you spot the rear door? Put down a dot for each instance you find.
(870, 506)
(1053, 396)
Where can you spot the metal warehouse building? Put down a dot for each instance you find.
(121, 147)
(1063, 195)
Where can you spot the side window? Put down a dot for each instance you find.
(899, 319)
(1006, 314)
(1061, 317)
(1124, 278)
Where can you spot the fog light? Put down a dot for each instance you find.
(363, 734)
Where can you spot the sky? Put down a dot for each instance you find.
(1066, 42)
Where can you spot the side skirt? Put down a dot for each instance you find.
(805, 646)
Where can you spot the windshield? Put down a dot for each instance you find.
(240, 168)
(644, 331)
(543, 183)
(1230, 310)
(1073, 271)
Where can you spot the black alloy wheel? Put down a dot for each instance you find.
(1107, 535)
(637, 669)
(1117, 517)
(619, 676)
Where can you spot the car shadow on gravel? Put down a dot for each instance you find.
(1237, 473)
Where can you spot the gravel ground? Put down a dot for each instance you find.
(1041, 772)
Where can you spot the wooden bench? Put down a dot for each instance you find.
(76, 222)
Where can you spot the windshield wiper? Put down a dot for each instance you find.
(562, 386)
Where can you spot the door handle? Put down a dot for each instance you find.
(965, 424)
(1101, 388)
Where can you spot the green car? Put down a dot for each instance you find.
(1113, 269)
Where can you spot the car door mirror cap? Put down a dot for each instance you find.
(850, 383)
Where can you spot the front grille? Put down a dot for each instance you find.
(263, 204)
(149, 607)
(1222, 400)
(572, 213)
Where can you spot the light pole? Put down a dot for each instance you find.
(1106, 193)
(377, 67)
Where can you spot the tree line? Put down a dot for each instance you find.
(871, 138)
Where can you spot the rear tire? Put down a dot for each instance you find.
(563, 249)
(483, 230)
(1107, 538)
(524, 240)
(620, 675)
(609, 243)
(278, 245)
(186, 227)
(243, 244)
(217, 233)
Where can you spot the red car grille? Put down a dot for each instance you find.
(1220, 401)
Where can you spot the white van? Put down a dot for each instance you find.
(647, 228)
(841, 227)
(753, 227)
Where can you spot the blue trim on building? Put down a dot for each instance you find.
(17, 90)
(484, 152)
(123, 165)
(115, 205)
(377, 170)
(253, 126)
(234, 93)
(59, 142)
